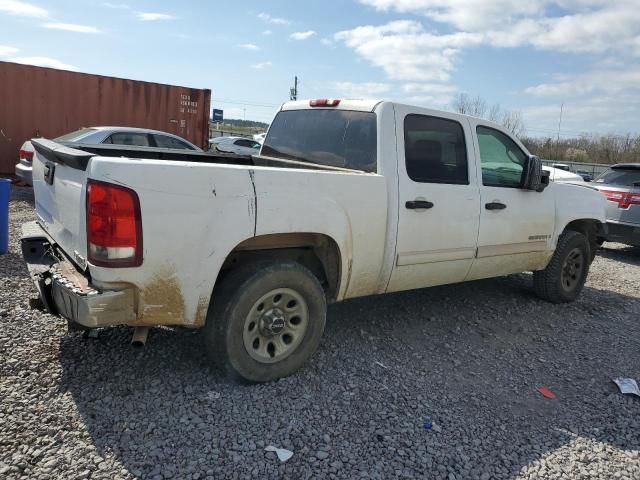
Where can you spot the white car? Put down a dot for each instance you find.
(346, 199)
(237, 145)
(260, 138)
(141, 137)
(562, 175)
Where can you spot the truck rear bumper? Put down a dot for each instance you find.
(66, 291)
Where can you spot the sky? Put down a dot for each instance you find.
(527, 55)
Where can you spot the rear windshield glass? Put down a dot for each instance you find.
(620, 176)
(75, 136)
(338, 138)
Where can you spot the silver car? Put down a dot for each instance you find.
(621, 185)
(139, 137)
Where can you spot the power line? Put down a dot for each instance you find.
(240, 102)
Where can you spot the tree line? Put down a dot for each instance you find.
(587, 148)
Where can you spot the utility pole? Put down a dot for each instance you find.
(559, 126)
(293, 93)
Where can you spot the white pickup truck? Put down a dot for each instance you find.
(345, 199)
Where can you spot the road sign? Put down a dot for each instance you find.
(217, 116)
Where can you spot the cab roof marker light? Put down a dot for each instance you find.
(324, 102)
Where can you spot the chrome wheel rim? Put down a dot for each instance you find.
(572, 269)
(275, 325)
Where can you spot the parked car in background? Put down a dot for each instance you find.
(562, 166)
(586, 176)
(237, 145)
(621, 185)
(561, 175)
(140, 137)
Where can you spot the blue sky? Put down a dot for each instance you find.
(529, 55)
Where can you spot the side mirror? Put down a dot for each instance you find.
(534, 177)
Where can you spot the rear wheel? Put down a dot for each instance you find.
(564, 277)
(265, 320)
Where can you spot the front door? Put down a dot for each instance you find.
(516, 225)
(439, 205)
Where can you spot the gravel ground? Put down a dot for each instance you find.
(467, 358)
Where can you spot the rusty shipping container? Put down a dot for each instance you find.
(45, 102)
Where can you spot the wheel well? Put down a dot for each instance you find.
(317, 252)
(590, 228)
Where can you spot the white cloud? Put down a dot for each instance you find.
(604, 113)
(267, 32)
(43, 62)
(302, 35)
(469, 15)
(326, 41)
(22, 9)
(71, 27)
(6, 51)
(274, 20)
(429, 100)
(601, 81)
(423, 58)
(593, 26)
(427, 88)
(599, 99)
(260, 66)
(152, 17)
(361, 90)
(249, 46)
(121, 6)
(406, 51)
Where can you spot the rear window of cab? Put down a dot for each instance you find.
(336, 138)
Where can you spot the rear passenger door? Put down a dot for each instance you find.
(439, 201)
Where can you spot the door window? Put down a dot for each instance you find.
(435, 150)
(247, 143)
(501, 159)
(124, 138)
(164, 141)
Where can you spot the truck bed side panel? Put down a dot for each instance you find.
(193, 215)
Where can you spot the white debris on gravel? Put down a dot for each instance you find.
(470, 356)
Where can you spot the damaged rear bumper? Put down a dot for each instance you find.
(67, 291)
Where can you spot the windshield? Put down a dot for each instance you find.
(627, 177)
(77, 135)
(337, 138)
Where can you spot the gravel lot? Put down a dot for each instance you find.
(467, 358)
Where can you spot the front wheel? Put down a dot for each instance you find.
(265, 320)
(564, 277)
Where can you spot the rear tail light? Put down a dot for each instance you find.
(324, 102)
(25, 154)
(623, 199)
(114, 226)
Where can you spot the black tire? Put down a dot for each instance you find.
(232, 303)
(551, 284)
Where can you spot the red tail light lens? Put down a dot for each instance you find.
(623, 199)
(114, 226)
(25, 154)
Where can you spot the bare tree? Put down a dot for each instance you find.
(494, 113)
(460, 103)
(463, 103)
(512, 121)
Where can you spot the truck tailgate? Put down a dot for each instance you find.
(59, 184)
